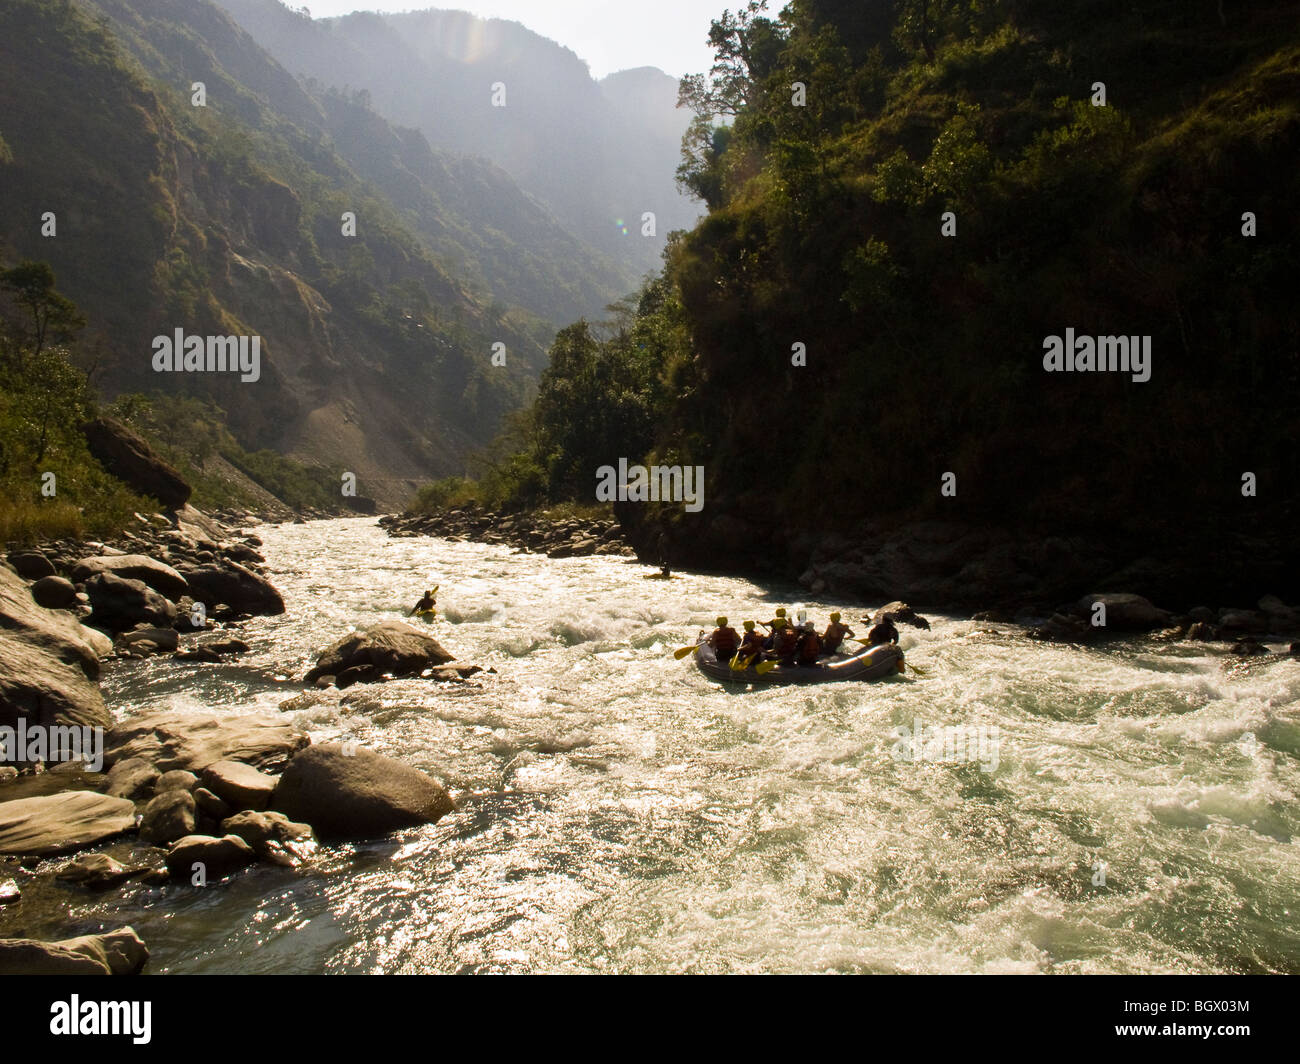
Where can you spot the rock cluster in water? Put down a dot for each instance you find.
(530, 533)
(185, 797)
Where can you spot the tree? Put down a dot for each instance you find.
(54, 317)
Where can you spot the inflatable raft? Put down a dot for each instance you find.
(869, 663)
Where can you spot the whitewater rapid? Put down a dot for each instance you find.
(618, 812)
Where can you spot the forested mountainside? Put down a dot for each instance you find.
(228, 219)
(599, 154)
(852, 344)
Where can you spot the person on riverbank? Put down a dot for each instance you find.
(884, 632)
(427, 605)
(724, 640)
(834, 634)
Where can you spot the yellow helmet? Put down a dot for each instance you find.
(835, 616)
(722, 622)
(780, 611)
(749, 626)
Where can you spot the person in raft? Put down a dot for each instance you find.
(834, 634)
(785, 642)
(751, 644)
(776, 624)
(427, 604)
(724, 640)
(884, 632)
(808, 645)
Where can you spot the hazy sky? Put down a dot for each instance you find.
(609, 34)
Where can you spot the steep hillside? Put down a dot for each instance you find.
(597, 154)
(225, 219)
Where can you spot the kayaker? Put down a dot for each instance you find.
(884, 632)
(809, 645)
(427, 604)
(834, 634)
(724, 640)
(751, 643)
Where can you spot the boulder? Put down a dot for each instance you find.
(129, 458)
(98, 871)
(131, 778)
(240, 785)
(26, 956)
(31, 564)
(9, 892)
(154, 574)
(901, 613)
(219, 857)
(192, 741)
(177, 779)
(240, 588)
(57, 823)
(169, 816)
(146, 640)
(122, 951)
(119, 604)
(272, 835)
(345, 792)
(45, 664)
(210, 805)
(388, 647)
(1237, 622)
(1126, 613)
(54, 592)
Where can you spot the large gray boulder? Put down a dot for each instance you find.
(239, 588)
(119, 604)
(388, 647)
(31, 564)
(193, 741)
(155, 574)
(347, 792)
(59, 823)
(1125, 613)
(46, 666)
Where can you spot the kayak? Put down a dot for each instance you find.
(427, 616)
(869, 663)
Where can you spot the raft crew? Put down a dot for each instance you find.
(725, 641)
(834, 634)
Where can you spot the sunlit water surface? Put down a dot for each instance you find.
(620, 812)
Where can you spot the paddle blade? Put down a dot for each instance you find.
(764, 667)
(683, 651)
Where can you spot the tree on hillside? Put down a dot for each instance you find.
(52, 316)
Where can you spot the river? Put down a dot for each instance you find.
(618, 812)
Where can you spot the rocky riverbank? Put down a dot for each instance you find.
(90, 804)
(572, 537)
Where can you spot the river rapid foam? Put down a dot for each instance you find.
(620, 812)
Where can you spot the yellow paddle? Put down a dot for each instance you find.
(683, 651)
